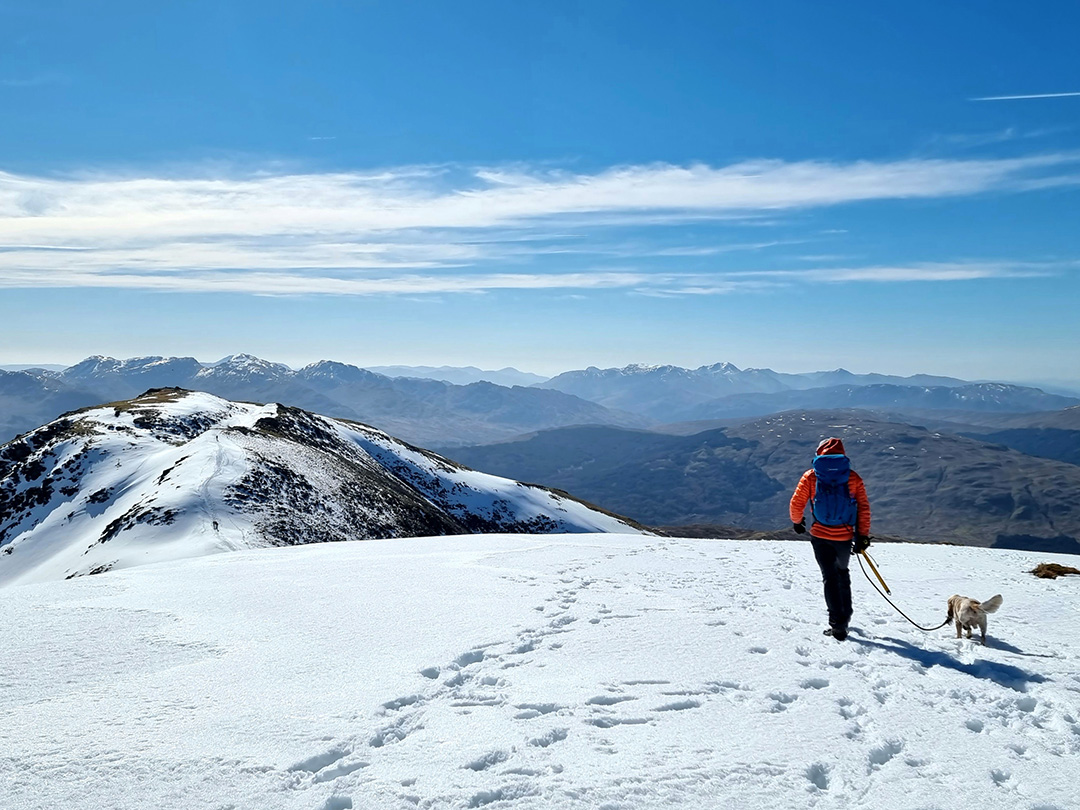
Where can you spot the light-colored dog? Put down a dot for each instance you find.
(971, 613)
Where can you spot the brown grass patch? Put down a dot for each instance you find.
(1053, 570)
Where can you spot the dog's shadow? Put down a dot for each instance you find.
(1002, 674)
(1004, 646)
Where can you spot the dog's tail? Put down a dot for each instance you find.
(991, 604)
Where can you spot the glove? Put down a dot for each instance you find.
(800, 527)
(862, 543)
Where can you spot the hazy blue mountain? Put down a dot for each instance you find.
(662, 392)
(462, 375)
(923, 484)
(28, 400)
(1061, 445)
(669, 393)
(1052, 434)
(431, 411)
(840, 376)
(32, 367)
(986, 397)
(1067, 419)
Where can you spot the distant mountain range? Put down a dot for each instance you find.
(673, 394)
(924, 484)
(462, 375)
(433, 412)
(980, 397)
(27, 400)
(175, 474)
(30, 366)
(421, 411)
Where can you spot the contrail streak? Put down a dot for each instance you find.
(1013, 98)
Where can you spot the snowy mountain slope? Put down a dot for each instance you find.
(523, 672)
(175, 474)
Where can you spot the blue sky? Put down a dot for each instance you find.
(546, 185)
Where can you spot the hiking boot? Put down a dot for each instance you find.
(839, 633)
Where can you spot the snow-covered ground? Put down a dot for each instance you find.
(523, 671)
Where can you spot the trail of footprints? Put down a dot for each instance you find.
(479, 679)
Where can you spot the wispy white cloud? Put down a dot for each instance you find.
(976, 139)
(823, 257)
(1016, 98)
(925, 271)
(657, 284)
(430, 228)
(37, 80)
(264, 283)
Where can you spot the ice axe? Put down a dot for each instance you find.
(876, 572)
(863, 555)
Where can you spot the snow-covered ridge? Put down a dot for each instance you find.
(175, 474)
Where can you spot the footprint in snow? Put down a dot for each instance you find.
(781, 701)
(1000, 777)
(550, 738)
(884, 753)
(678, 706)
(608, 700)
(487, 760)
(470, 658)
(818, 776)
(339, 770)
(395, 732)
(506, 793)
(401, 702)
(320, 761)
(528, 711)
(611, 722)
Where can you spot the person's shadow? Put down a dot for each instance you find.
(1002, 674)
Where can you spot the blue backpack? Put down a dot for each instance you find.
(832, 504)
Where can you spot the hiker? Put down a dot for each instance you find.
(841, 513)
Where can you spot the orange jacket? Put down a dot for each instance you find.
(804, 493)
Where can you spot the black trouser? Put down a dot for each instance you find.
(832, 558)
